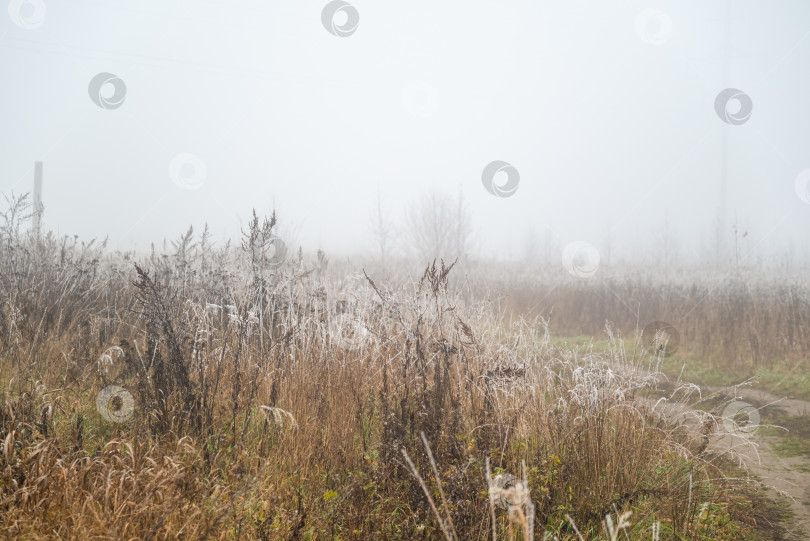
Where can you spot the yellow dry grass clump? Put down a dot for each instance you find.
(300, 401)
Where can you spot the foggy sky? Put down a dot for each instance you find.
(610, 122)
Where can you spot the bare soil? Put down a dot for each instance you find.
(789, 477)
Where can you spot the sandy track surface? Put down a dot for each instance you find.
(787, 476)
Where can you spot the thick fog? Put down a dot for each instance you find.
(612, 113)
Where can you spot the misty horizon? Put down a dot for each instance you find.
(613, 130)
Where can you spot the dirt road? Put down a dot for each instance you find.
(749, 444)
(786, 476)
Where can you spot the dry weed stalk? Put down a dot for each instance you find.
(218, 343)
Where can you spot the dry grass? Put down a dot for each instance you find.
(297, 401)
(734, 318)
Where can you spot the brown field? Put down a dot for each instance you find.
(308, 400)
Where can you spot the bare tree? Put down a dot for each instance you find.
(607, 243)
(667, 249)
(382, 230)
(463, 226)
(719, 242)
(737, 238)
(531, 246)
(19, 210)
(438, 227)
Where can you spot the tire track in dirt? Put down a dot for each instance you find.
(786, 476)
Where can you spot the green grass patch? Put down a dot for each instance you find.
(792, 433)
(783, 377)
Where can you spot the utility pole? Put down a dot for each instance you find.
(39, 208)
(722, 218)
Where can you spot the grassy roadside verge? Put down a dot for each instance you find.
(781, 377)
(788, 434)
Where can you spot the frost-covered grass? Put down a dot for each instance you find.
(300, 400)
